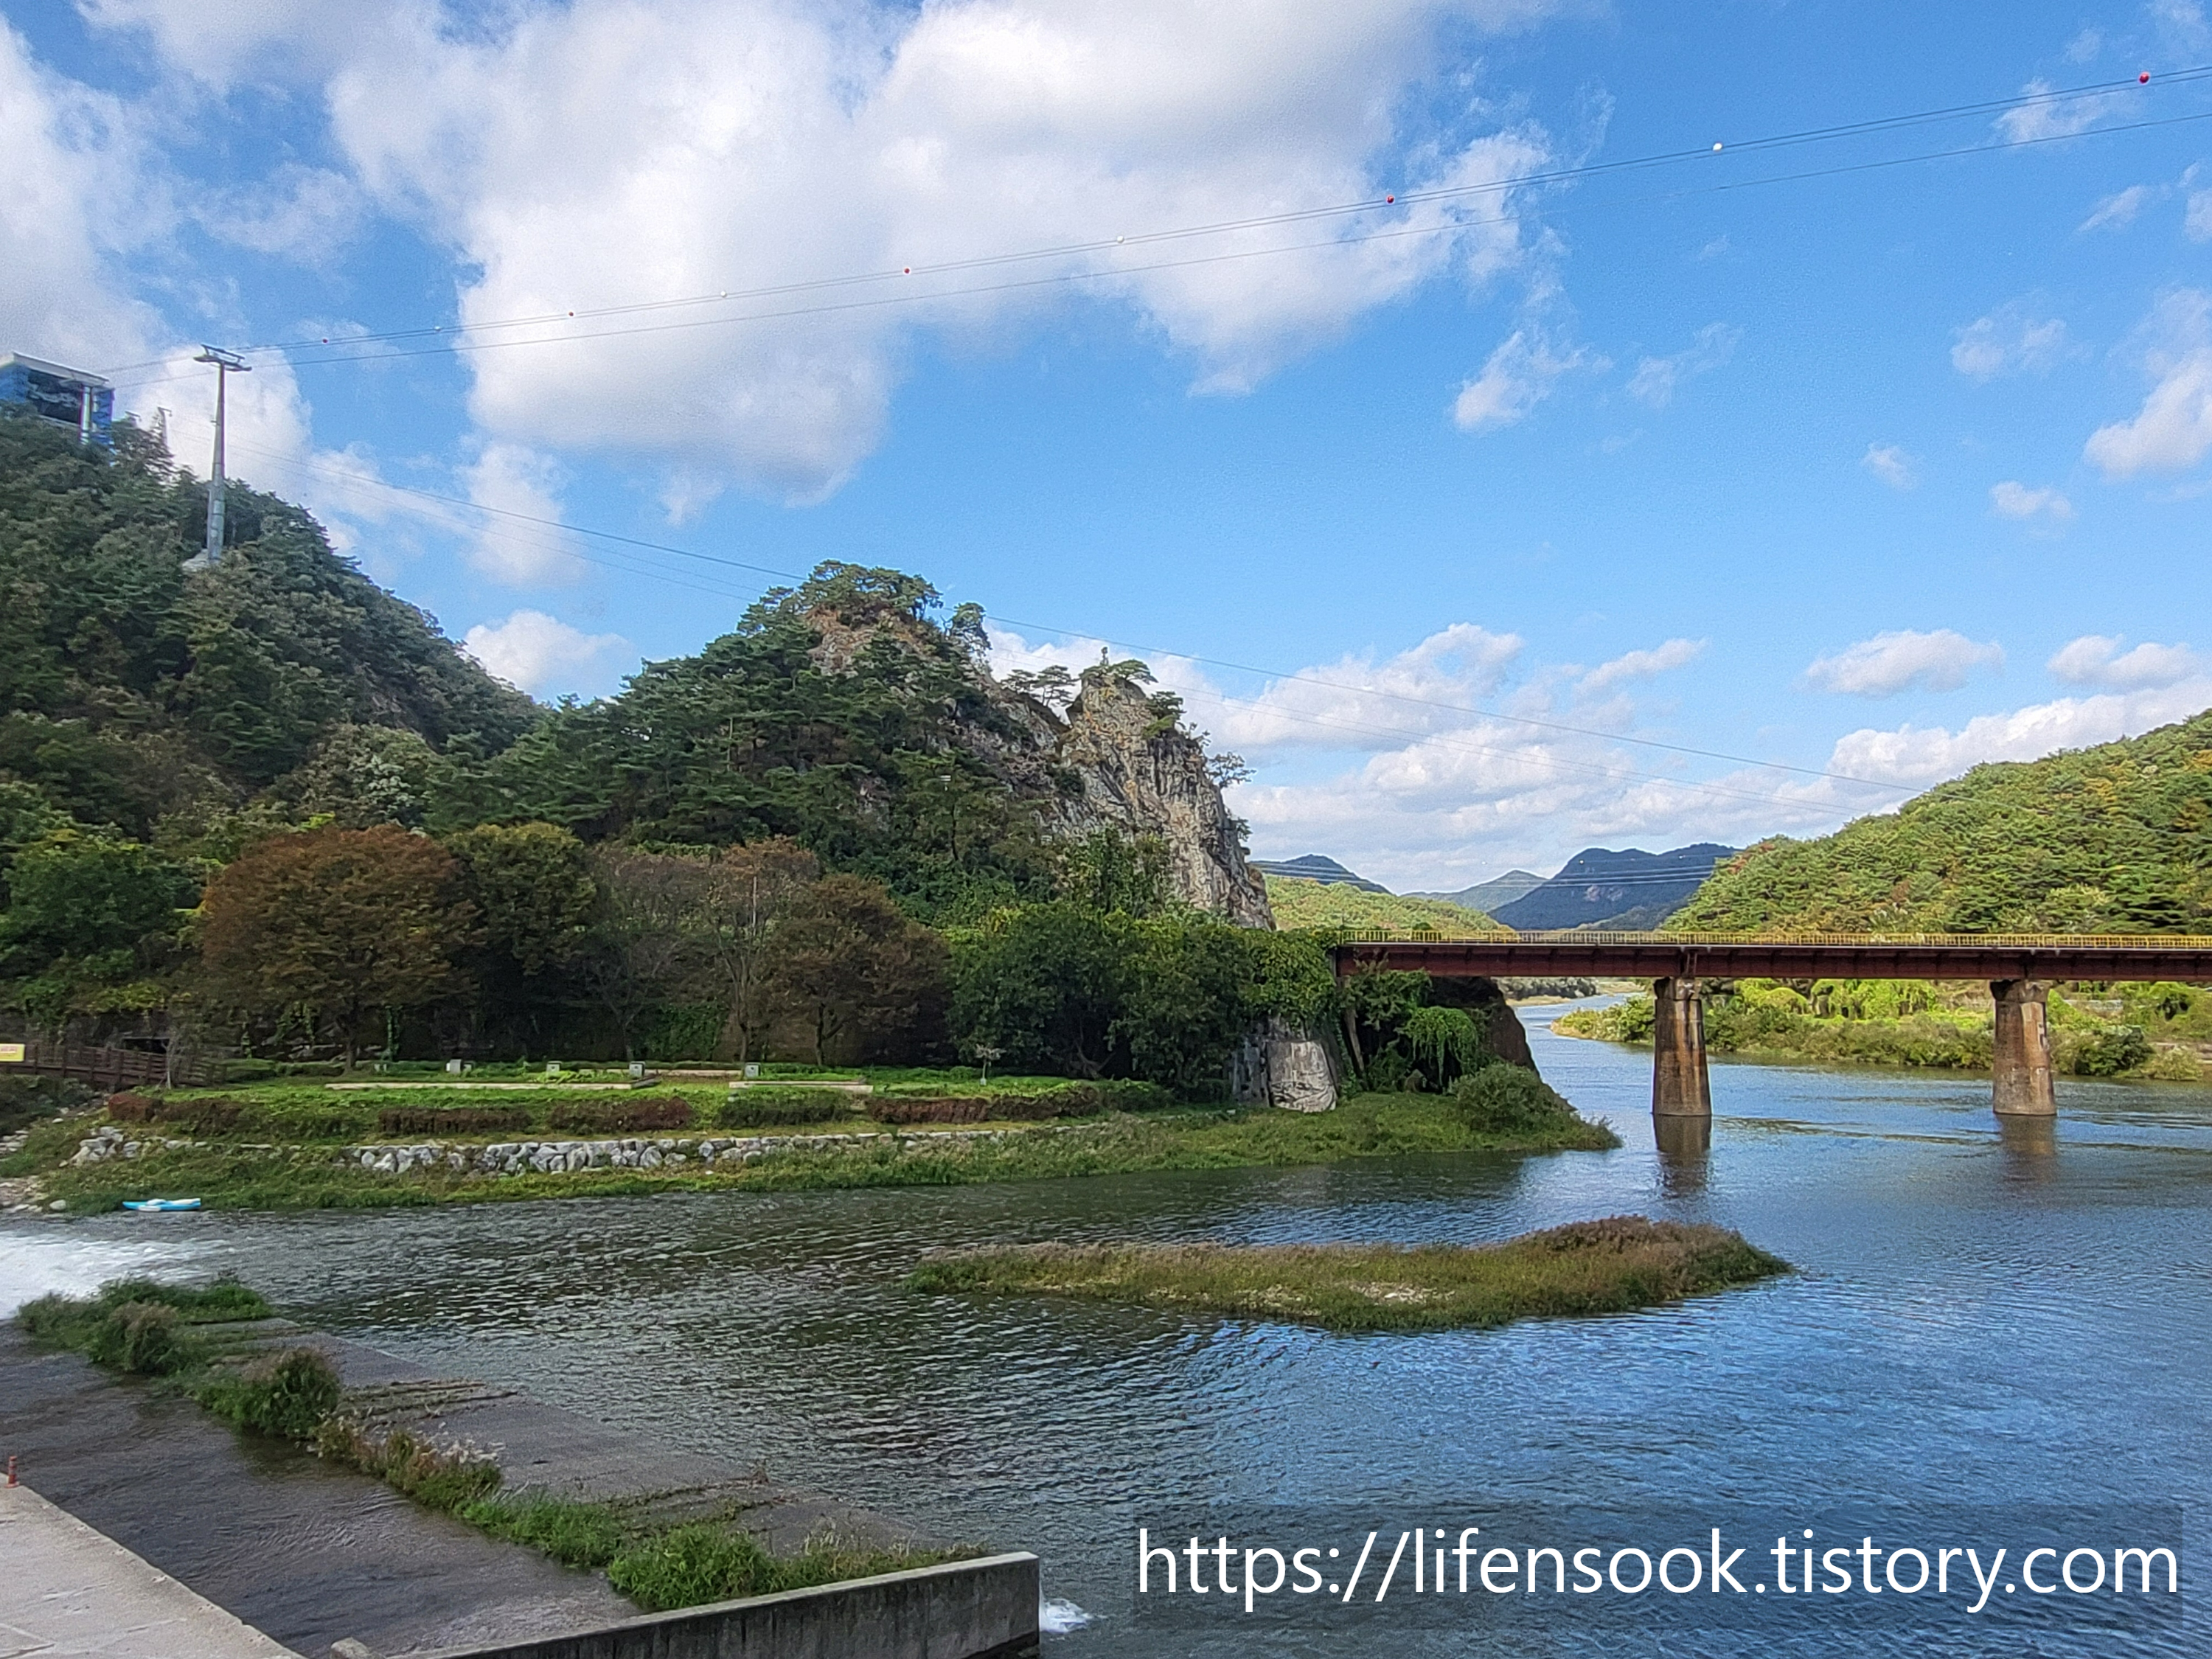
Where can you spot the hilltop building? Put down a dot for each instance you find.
(67, 396)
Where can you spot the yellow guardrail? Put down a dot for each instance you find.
(1969, 941)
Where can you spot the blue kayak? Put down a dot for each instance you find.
(161, 1204)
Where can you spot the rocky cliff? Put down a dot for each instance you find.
(1142, 775)
(1087, 753)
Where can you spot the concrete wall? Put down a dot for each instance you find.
(981, 1609)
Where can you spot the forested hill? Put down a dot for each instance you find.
(2115, 839)
(198, 712)
(132, 695)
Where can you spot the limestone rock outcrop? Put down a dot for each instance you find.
(1142, 775)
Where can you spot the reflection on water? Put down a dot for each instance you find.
(1685, 1146)
(1983, 1317)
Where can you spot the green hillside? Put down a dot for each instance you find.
(2114, 839)
(1339, 904)
(137, 697)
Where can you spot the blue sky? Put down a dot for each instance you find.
(1462, 537)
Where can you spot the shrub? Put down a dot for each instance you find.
(2109, 1053)
(437, 1477)
(1502, 1098)
(450, 1120)
(750, 1109)
(288, 1396)
(650, 1112)
(141, 1338)
(687, 1565)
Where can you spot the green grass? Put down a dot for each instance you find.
(1366, 1126)
(1614, 1266)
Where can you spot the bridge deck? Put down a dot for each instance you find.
(1787, 956)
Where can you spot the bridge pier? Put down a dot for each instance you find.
(2020, 1067)
(1679, 1084)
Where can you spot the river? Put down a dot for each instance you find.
(1981, 1324)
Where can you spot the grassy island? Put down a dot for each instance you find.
(1613, 1265)
(285, 1145)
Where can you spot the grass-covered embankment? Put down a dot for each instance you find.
(1613, 1265)
(189, 1336)
(2153, 1032)
(224, 1173)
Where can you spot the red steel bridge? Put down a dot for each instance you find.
(2018, 969)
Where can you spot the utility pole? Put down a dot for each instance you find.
(226, 363)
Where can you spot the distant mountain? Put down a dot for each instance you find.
(1629, 891)
(1490, 895)
(1314, 867)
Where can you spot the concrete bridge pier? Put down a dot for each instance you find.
(1680, 1086)
(2021, 1064)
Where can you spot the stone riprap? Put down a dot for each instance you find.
(561, 1157)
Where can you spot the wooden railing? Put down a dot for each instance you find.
(108, 1068)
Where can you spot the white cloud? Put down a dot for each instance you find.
(2196, 220)
(2014, 500)
(2181, 24)
(79, 194)
(300, 213)
(2097, 659)
(1890, 464)
(1657, 377)
(2174, 430)
(602, 152)
(1518, 375)
(1923, 755)
(2119, 209)
(1641, 664)
(2044, 116)
(2084, 47)
(2010, 340)
(511, 479)
(542, 654)
(1890, 662)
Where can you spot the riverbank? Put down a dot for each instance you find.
(224, 1172)
(2129, 1035)
(1613, 1265)
(668, 1530)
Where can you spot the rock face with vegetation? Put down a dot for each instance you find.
(2114, 839)
(1142, 775)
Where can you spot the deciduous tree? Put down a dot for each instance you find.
(336, 924)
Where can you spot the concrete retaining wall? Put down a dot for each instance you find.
(981, 1609)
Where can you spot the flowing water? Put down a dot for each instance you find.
(1982, 1324)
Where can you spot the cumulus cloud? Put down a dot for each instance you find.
(2010, 340)
(1890, 464)
(516, 484)
(542, 654)
(304, 214)
(2014, 500)
(2174, 430)
(2097, 659)
(1923, 755)
(603, 153)
(1657, 377)
(1518, 375)
(1902, 659)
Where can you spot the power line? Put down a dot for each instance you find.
(458, 346)
(1443, 740)
(1442, 193)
